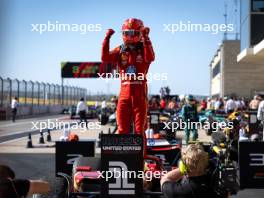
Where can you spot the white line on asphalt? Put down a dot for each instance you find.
(27, 122)
(18, 132)
(12, 124)
(14, 140)
(14, 133)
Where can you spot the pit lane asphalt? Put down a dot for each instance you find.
(37, 162)
(42, 166)
(21, 128)
(39, 165)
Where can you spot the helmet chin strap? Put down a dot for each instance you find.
(131, 45)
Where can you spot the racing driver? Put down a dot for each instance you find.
(133, 58)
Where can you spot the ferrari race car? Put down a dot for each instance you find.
(92, 113)
(86, 178)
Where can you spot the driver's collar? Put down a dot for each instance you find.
(131, 47)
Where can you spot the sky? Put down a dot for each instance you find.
(184, 57)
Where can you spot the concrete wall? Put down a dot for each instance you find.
(25, 110)
(215, 87)
(241, 79)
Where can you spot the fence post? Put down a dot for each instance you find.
(10, 89)
(2, 91)
(25, 90)
(44, 93)
(17, 87)
(38, 91)
(54, 92)
(31, 95)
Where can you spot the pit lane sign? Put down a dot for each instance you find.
(68, 152)
(85, 69)
(154, 120)
(251, 162)
(121, 156)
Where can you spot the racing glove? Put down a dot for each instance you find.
(145, 34)
(109, 33)
(148, 49)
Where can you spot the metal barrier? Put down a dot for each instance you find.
(38, 93)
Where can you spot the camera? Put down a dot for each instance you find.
(223, 166)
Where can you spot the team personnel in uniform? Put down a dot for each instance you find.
(81, 110)
(133, 58)
(14, 106)
(190, 115)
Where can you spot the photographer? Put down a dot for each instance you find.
(189, 179)
(19, 188)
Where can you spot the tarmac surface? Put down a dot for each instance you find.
(39, 162)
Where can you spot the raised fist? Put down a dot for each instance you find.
(145, 31)
(109, 33)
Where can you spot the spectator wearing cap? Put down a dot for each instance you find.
(189, 116)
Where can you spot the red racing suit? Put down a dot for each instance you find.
(132, 102)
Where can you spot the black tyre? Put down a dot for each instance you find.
(104, 119)
(60, 188)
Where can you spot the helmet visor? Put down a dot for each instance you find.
(131, 33)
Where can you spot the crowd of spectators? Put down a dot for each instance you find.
(230, 104)
(226, 105)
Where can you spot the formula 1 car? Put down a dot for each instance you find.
(211, 117)
(92, 113)
(162, 122)
(168, 151)
(85, 180)
(107, 115)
